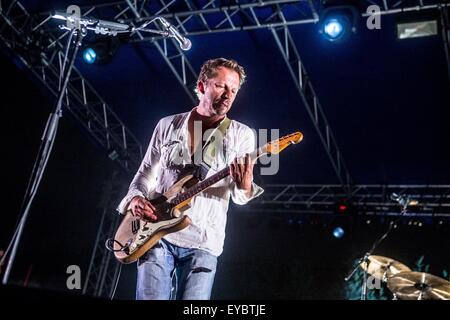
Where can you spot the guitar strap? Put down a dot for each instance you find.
(211, 147)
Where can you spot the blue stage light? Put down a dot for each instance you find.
(337, 22)
(100, 50)
(89, 55)
(338, 232)
(333, 29)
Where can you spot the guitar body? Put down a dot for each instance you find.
(136, 236)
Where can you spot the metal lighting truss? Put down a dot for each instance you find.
(223, 16)
(81, 99)
(290, 55)
(104, 270)
(433, 200)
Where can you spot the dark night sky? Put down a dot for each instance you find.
(387, 102)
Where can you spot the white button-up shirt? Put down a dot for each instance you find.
(165, 162)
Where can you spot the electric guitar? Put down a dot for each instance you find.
(135, 236)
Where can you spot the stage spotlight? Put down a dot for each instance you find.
(337, 22)
(338, 232)
(344, 207)
(100, 50)
(344, 218)
(89, 55)
(333, 28)
(417, 29)
(414, 24)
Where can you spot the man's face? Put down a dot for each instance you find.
(220, 91)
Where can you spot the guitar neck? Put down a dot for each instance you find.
(202, 185)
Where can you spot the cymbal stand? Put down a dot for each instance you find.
(404, 202)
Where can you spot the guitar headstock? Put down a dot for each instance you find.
(276, 146)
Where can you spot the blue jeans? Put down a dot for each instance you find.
(167, 271)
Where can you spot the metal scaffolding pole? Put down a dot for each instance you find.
(310, 100)
(103, 271)
(445, 25)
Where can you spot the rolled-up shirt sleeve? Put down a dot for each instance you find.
(247, 145)
(144, 180)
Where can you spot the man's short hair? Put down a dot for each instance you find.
(209, 70)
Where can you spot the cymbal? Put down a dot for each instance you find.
(382, 267)
(419, 286)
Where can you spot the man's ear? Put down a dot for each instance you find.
(201, 87)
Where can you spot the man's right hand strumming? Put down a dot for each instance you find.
(142, 208)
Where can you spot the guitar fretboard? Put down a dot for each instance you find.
(202, 185)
